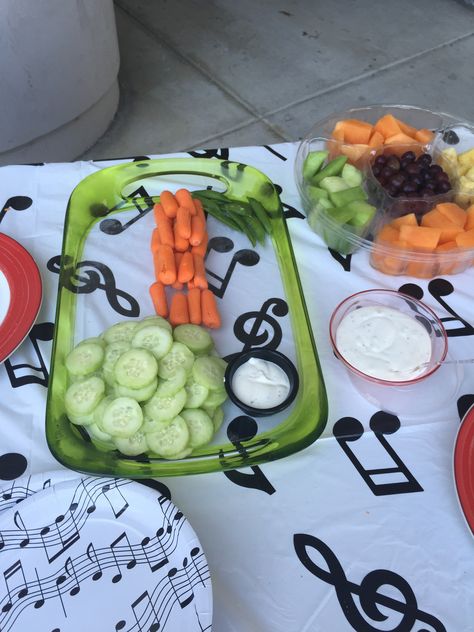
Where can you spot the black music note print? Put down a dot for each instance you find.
(92, 555)
(440, 288)
(143, 205)
(117, 501)
(290, 212)
(60, 536)
(122, 554)
(39, 603)
(15, 581)
(344, 260)
(244, 257)
(368, 592)
(144, 613)
(148, 550)
(222, 153)
(240, 429)
(35, 374)
(264, 332)
(183, 590)
(348, 429)
(15, 203)
(82, 281)
(20, 525)
(71, 572)
(275, 152)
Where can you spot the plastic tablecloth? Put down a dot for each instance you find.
(360, 531)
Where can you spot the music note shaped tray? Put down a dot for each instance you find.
(106, 269)
(100, 553)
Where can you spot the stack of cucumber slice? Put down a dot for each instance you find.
(144, 387)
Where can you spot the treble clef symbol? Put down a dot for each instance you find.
(259, 336)
(91, 281)
(368, 592)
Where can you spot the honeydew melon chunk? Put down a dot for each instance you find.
(362, 212)
(342, 198)
(316, 193)
(351, 175)
(313, 163)
(332, 184)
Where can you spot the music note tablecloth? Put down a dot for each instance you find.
(362, 530)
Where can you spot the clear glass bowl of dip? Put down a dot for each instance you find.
(389, 388)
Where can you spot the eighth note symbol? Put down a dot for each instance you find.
(16, 203)
(348, 430)
(243, 257)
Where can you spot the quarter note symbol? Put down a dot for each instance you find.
(39, 603)
(15, 203)
(14, 588)
(348, 430)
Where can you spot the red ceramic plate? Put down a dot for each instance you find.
(20, 295)
(464, 466)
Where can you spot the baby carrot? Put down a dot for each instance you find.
(198, 228)
(202, 248)
(199, 208)
(191, 285)
(177, 285)
(180, 244)
(183, 222)
(209, 312)
(158, 296)
(169, 204)
(155, 240)
(179, 314)
(186, 267)
(199, 272)
(194, 306)
(183, 197)
(165, 265)
(163, 224)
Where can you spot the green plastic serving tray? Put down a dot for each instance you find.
(101, 195)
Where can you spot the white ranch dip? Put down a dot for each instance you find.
(260, 384)
(384, 343)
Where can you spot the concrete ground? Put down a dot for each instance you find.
(197, 73)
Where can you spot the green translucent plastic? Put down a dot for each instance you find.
(94, 198)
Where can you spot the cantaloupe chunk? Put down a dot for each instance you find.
(405, 220)
(447, 246)
(356, 154)
(387, 125)
(388, 234)
(420, 237)
(449, 229)
(400, 139)
(422, 269)
(425, 136)
(465, 239)
(453, 212)
(376, 140)
(338, 132)
(470, 218)
(406, 129)
(356, 132)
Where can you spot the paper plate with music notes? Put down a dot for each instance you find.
(464, 467)
(100, 554)
(20, 294)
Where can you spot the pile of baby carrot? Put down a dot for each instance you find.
(178, 246)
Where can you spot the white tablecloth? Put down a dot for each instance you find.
(303, 543)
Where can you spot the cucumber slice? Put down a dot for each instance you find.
(217, 418)
(216, 398)
(171, 440)
(132, 446)
(82, 420)
(154, 338)
(103, 446)
(82, 397)
(197, 339)
(98, 412)
(96, 340)
(136, 368)
(154, 320)
(209, 371)
(200, 426)
(86, 358)
(139, 394)
(196, 394)
(120, 332)
(178, 356)
(164, 408)
(122, 417)
(150, 425)
(96, 433)
(112, 354)
(166, 388)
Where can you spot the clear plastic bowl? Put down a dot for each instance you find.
(379, 390)
(346, 240)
